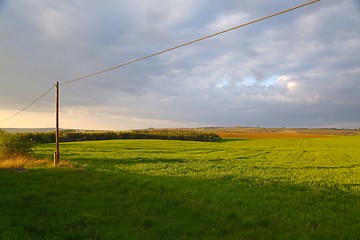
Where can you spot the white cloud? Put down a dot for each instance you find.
(227, 21)
(288, 82)
(55, 24)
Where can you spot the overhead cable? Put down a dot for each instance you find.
(32, 103)
(188, 43)
(160, 52)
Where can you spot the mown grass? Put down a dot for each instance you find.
(153, 189)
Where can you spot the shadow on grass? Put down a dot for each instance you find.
(224, 140)
(67, 204)
(152, 161)
(110, 163)
(331, 167)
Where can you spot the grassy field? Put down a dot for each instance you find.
(294, 188)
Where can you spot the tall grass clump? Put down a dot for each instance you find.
(14, 145)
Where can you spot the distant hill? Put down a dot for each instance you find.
(26, 130)
(222, 131)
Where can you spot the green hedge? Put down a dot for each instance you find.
(170, 135)
(13, 145)
(72, 136)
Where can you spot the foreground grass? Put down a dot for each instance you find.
(23, 163)
(149, 189)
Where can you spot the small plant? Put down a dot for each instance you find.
(14, 145)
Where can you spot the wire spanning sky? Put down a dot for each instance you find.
(300, 69)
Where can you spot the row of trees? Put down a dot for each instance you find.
(72, 136)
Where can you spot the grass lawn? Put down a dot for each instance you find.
(152, 189)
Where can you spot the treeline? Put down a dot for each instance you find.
(73, 136)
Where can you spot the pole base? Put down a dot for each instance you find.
(56, 159)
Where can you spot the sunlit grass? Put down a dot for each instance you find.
(153, 189)
(313, 162)
(22, 163)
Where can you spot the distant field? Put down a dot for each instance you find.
(270, 135)
(238, 188)
(250, 132)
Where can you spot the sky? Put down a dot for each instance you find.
(299, 69)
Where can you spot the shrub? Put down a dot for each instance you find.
(14, 145)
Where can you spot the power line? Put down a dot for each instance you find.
(160, 52)
(188, 43)
(32, 103)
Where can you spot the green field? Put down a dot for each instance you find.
(154, 189)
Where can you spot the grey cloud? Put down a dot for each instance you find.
(228, 80)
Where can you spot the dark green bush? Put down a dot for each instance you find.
(13, 145)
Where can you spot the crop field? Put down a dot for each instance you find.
(259, 188)
(251, 132)
(262, 135)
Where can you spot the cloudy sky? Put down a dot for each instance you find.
(299, 69)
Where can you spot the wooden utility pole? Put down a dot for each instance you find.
(57, 153)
